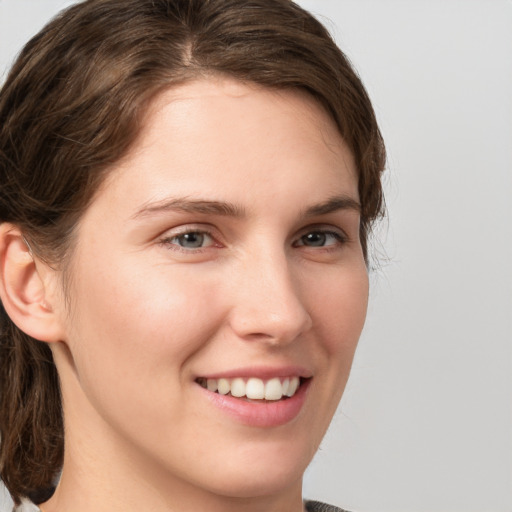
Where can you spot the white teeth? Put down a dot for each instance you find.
(238, 387)
(254, 388)
(223, 386)
(292, 388)
(273, 390)
(286, 386)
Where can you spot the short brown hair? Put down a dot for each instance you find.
(71, 107)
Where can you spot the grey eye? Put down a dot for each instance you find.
(192, 240)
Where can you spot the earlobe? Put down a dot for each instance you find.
(24, 287)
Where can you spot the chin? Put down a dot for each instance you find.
(263, 473)
(255, 484)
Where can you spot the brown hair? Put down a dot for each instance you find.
(71, 107)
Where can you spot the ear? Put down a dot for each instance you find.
(27, 287)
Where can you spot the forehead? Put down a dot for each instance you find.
(239, 108)
(218, 90)
(208, 135)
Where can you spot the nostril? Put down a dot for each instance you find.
(258, 335)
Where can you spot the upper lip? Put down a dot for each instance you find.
(261, 372)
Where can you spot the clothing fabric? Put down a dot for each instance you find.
(311, 506)
(317, 506)
(26, 506)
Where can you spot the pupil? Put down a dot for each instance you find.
(315, 239)
(191, 240)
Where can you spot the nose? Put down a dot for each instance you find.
(268, 300)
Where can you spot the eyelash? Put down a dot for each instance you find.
(168, 241)
(339, 237)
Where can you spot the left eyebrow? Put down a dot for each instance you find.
(332, 205)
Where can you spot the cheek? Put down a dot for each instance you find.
(134, 323)
(339, 309)
(133, 337)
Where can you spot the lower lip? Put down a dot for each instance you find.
(260, 414)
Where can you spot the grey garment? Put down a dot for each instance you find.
(311, 506)
(316, 506)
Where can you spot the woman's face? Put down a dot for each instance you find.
(221, 253)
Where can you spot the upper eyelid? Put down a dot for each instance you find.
(340, 238)
(324, 228)
(188, 228)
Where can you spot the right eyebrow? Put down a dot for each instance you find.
(204, 207)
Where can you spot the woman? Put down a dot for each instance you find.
(187, 189)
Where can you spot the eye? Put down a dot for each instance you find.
(320, 238)
(191, 240)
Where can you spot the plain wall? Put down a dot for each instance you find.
(426, 420)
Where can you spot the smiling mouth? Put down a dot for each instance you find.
(254, 388)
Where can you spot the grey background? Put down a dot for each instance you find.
(426, 420)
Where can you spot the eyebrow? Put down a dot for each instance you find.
(191, 206)
(333, 204)
(206, 207)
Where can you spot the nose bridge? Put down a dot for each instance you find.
(269, 303)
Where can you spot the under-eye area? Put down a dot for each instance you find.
(254, 388)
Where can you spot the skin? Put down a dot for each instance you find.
(143, 316)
